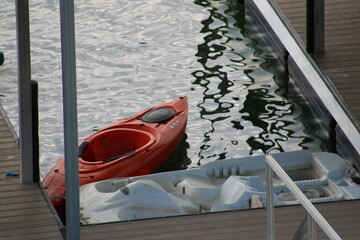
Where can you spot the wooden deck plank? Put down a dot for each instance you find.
(32, 232)
(23, 205)
(11, 145)
(26, 211)
(29, 233)
(12, 194)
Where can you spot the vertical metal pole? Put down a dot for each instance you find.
(270, 219)
(315, 40)
(35, 129)
(311, 227)
(332, 135)
(70, 118)
(24, 86)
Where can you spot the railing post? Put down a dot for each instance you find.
(311, 227)
(302, 229)
(270, 219)
(315, 41)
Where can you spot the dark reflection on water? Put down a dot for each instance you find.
(178, 160)
(244, 91)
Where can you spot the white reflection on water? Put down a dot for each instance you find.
(135, 54)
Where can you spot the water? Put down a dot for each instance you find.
(136, 54)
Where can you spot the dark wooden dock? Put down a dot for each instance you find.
(25, 213)
(248, 224)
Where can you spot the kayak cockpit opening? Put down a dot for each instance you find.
(114, 144)
(159, 115)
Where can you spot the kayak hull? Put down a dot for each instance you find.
(133, 146)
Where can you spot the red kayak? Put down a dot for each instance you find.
(133, 146)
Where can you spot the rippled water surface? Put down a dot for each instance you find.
(136, 54)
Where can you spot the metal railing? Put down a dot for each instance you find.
(313, 215)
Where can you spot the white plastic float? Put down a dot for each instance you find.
(217, 186)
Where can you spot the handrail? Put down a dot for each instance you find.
(310, 208)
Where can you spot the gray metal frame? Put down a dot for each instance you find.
(70, 118)
(24, 92)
